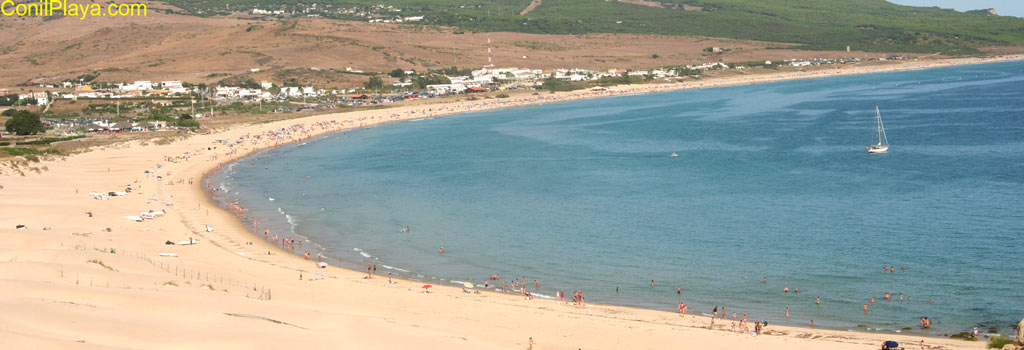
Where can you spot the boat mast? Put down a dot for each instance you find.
(882, 139)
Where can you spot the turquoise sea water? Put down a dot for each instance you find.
(771, 180)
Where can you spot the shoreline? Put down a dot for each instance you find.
(667, 88)
(230, 252)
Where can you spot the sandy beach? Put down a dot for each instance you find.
(81, 275)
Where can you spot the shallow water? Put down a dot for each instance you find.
(771, 180)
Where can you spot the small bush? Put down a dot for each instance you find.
(100, 263)
(20, 151)
(49, 140)
(999, 342)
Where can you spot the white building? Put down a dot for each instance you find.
(173, 86)
(446, 88)
(292, 91)
(226, 91)
(249, 93)
(141, 85)
(41, 97)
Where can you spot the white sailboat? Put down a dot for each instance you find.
(883, 142)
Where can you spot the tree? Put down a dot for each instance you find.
(8, 100)
(186, 121)
(375, 83)
(429, 79)
(397, 73)
(25, 123)
(160, 113)
(554, 84)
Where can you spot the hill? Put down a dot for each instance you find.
(317, 51)
(869, 25)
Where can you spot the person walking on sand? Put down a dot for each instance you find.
(681, 308)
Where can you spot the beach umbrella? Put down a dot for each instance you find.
(425, 286)
(467, 284)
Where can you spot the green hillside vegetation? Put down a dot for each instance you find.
(871, 25)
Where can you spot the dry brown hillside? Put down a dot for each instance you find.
(163, 47)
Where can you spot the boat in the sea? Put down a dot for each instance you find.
(883, 142)
(673, 155)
